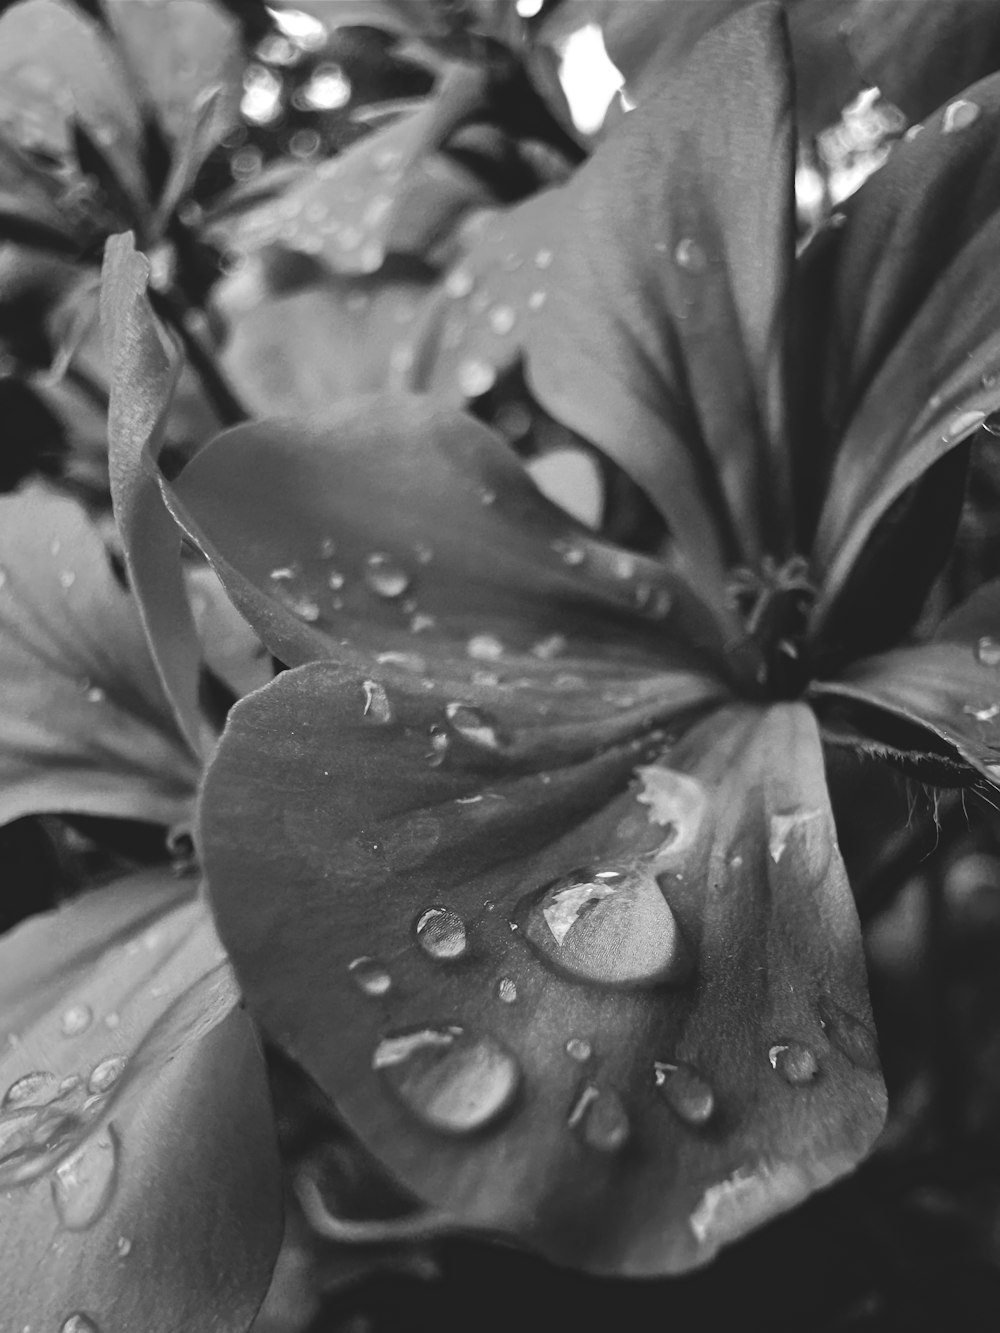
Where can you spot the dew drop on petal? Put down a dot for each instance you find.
(327, 548)
(676, 801)
(571, 553)
(105, 1075)
(988, 651)
(335, 580)
(474, 725)
(123, 1247)
(458, 283)
(36, 1088)
(475, 377)
(507, 990)
(964, 423)
(959, 115)
(803, 824)
(685, 1091)
(449, 1079)
(485, 648)
(502, 319)
(441, 934)
(385, 576)
(653, 602)
(66, 579)
(549, 647)
(690, 256)
(543, 259)
(795, 1062)
(370, 976)
(377, 707)
(95, 695)
(424, 552)
(579, 1049)
(78, 1323)
(984, 713)
(282, 574)
(609, 925)
(537, 299)
(83, 1183)
(599, 1115)
(848, 1034)
(76, 1019)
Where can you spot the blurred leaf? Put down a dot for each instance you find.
(86, 727)
(137, 1149)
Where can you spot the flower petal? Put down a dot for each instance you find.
(949, 687)
(912, 365)
(645, 295)
(406, 529)
(137, 1150)
(85, 724)
(568, 984)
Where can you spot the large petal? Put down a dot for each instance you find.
(912, 363)
(409, 531)
(603, 994)
(947, 689)
(646, 295)
(85, 725)
(137, 1153)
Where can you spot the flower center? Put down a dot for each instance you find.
(774, 601)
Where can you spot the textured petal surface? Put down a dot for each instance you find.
(137, 1155)
(86, 727)
(563, 981)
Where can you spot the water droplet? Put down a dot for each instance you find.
(611, 926)
(421, 622)
(105, 1075)
(123, 1246)
(36, 1088)
(986, 713)
(299, 603)
(441, 933)
(384, 576)
(66, 579)
(78, 1323)
(76, 1019)
(685, 1091)
(598, 1113)
(82, 1184)
(654, 602)
(485, 648)
(964, 423)
(690, 256)
(474, 725)
(370, 976)
(579, 1049)
(282, 574)
(805, 824)
(537, 299)
(571, 553)
(959, 115)
(95, 695)
(988, 651)
(502, 319)
(450, 1079)
(796, 1063)
(440, 744)
(676, 801)
(549, 647)
(850, 1036)
(55, 546)
(543, 259)
(335, 580)
(424, 552)
(112, 1020)
(475, 377)
(458, 283)
(327, 548)
(377, 707)
(507, 990)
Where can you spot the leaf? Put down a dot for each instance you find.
(589, 951)
(137, 1149)
(141, 387)
(949, 688)
(411, 532)
(86, 726)
(910, 309)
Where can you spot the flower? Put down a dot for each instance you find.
(529, 858)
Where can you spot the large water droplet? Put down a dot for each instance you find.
(377, 707)
(610, 925)
(474, 725)
(685, 1091)
(850, 1036)
(795, 1062)
(959, 115)
(78, 1323)
(988, 651)
(690, 255)
(599, 1115)
(369, 975)
(450, 1079)
(82, 1184)
(676, 801)
(36, 1088)
(76, 1019)
(105, 1075)
(964, 424)
(441, 933)
(385, 576)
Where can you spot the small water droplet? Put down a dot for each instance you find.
(571, 553)
(385, 576)
(988, 651)
(502, 319)
(475, 377)
(36, 1088)
(548, 648)
(424, 552)
(964, 423)
(507, 990)
(76, 1019)
(807, 825)
(959, 115)
(377, 707)
(282, 574)
(66, 579)
(440, 744)
(327, 548)
(78, 1323)
(451, 1080)
(105, 1075)
(685, 1091)
(598, 1113)
(441, 933)
(485, 648)
(55, 546)
(112, 1020)
(335, 580)
(474, 725)
(458, 283)
(95, 695)
(123, 1246)
(796, 1063)
(83, 1183)
(421, 622)
(537, 299)
(986, 713)
(850, 1036)
(610, 925)
(370, 976)
(690, 256)
(299, 603)
(579, 1049)
(543, 259)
